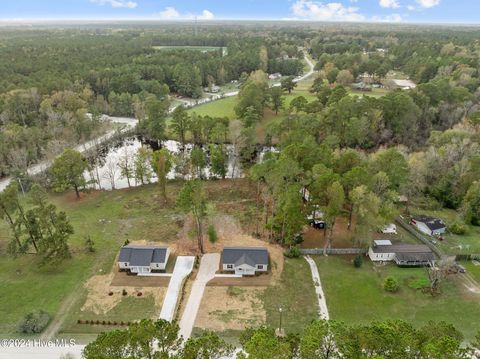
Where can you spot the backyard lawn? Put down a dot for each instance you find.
(109, 218)
(469, 243)
(357, 295)
(295, 294)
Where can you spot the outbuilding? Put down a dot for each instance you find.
(429, 225)
(245, 260)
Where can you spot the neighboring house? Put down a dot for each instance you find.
(402, 84)
(143, 259)
(429, 225)
(275, 76)
(245, 260)
(403, 254)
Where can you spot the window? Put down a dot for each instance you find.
(158, 265)
(229, 266)
(259, 266)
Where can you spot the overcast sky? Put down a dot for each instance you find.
(432, 11)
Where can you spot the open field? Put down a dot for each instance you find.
(357, 295)
(109, 218)
(469, 243)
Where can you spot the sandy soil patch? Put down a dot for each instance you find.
(99, 286)
(234, 308)
(230, 234)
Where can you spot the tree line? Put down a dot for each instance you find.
(320, 339)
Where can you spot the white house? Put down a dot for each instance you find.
(429, 225)
(143, 259)
(245, 260)
(403, 254)
(381, 251)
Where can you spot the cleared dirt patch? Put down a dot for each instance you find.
(230, 234)
(122, 279)
(235, 308)
(103, 297)
(262, 280)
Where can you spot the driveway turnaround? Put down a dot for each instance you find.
(208, 266)
(322, 303)
(183, 267)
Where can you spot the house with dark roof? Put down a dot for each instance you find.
(429, 225)
(403, 254)
(245, 260)
(143, 259)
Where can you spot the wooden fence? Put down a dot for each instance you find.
(338, 251)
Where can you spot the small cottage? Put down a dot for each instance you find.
(429, 225)
(245, 260)
(143, 259)
(403, 254)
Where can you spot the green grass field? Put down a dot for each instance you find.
(357, 296)
(295, 294)
(109, 218)
(469, 243)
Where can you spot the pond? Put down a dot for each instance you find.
(105, 172)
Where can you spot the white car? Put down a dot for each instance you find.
(390, 229)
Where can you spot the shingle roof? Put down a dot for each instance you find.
(415, 257)
(432, 223)
(142, 255)
(245, 255)
(402, 248)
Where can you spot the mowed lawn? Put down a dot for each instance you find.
(357, 296)
(295, 294)
(468, 243)
(109, 218)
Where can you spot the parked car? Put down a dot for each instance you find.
(389, 229)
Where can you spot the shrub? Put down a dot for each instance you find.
(212, 234)
(79, 321)
(110, 293)
(358, 261)
(139, 294)
(124, 292)
(34, 322)
(292, 252)
(89, 244)
(458, 228)
(390, 285)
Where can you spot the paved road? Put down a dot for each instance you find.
(42, 166)
(208, 266)
(183, 267)
(322, 303)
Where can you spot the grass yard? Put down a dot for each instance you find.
(219, 108)
(128, 309)
(357, 295)
(469, 243)
(295, 294)
(109, 218)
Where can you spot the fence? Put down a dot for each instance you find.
(338, 251)
(421, 238)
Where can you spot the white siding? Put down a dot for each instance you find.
(245, 269)
(123, 265)
(380, 257)
(261, 268)
(140, 269)
(422, 227)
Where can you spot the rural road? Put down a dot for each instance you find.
(208, 266)
(183, 267)
(42, 166)
(322, 303)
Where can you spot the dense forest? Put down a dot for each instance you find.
(348, 150)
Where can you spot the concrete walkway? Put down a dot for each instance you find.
(183, 267)
(208, 266)
(322, 303)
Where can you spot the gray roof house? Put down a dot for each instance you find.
(429, 225)
(403, 254)
(143, 259)
(245, 260)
